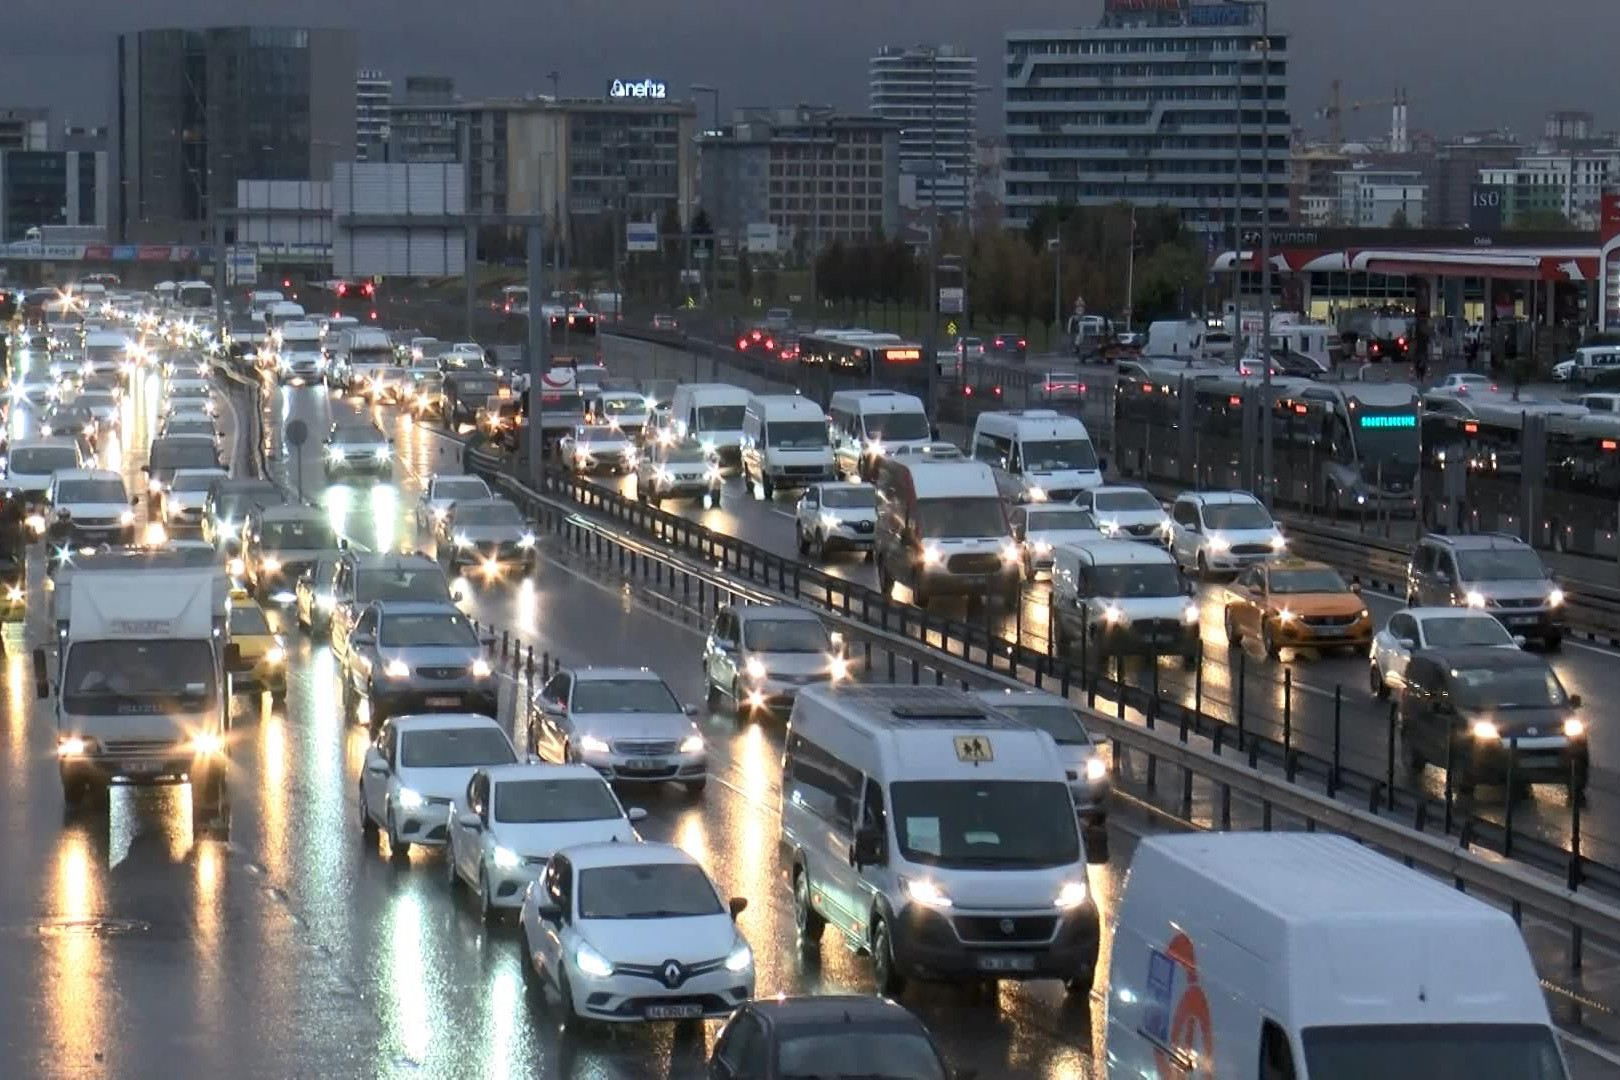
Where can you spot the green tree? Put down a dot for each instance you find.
(745, 273)
(1398, 220)
(1541, 220)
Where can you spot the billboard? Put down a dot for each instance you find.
(1485, 209)
(644, 89)
(762, 239)
(1219, 15)
(1113, 6)
(640, 236)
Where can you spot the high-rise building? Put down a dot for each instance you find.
(1160, 104)
(423, 125)
(195, 110)
(1551, 186)
(51, 187)
(1370, 197)
(816, 174)
(1453, 170)
(372, 96)
(931, 91)
(25, 129)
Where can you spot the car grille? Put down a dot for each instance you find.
(985, 562)
(865, 527)
(1329, 620)
(1148, 529)
(1060, 495)
(1011, 928)
(729, 455)
(1527, 602)
(149, 748)
(1251, 549)
(93, 524)
(656, 972)
(441, 672)
(803, 470)
(644, 747)
(1156, 626)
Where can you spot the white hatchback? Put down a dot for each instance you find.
(1410, 629)
(626, 933)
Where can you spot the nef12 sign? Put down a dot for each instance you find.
(646, 88)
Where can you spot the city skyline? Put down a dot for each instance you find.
(55, 62)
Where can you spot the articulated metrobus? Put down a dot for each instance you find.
(855, 350)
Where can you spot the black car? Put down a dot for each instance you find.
(825, 1035)
(1486, 712)
(1009, 344)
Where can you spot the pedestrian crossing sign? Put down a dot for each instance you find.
(974, 749)
(950, 328)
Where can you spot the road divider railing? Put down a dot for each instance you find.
(1173, 758)
(253, 417)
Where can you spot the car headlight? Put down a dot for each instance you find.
(1475, 599)
(1108, 528)
(276, 655)
(1042, 547)
(830, 521)
(72, 746)
(875, 448)
(1485, 730)
(526, 541)
(334, 453)
(154, 486)
(397, 669)
(1096, 769)
(272, 565)
(1071, 895)
(1279, 542)
(207, 743)
(325, 601)
(1009, 554)
(462, 540)
(1113, 615)
(692, 744)
(838, 668)
(480, 668)
(1555, 597)
(14, 594)
(45, 430)
(36, 523)
(382, 453)
(237, 567)
(1189, 615)
(741, 957)
(507, 859)
(923, 891)
(708, 446)
(591, 962)
(1285, 616)
(755, 668)
(410, 799)
(440, 513)
(1219, 545)
(1036, 494)
(227, 530)
(1574, 728)
(593, 745)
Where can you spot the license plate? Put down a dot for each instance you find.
(1331, 631)
(674, 1012)
(141, 768)
(1006, 963)
(646, 764)
(1523, 620)
(448, 702)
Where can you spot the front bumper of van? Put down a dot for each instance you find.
(972, 945)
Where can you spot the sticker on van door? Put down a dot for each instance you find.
(974, 749)
(1177, 1020)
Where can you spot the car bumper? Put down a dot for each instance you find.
(1090, 799)
(508, 884)
(359, 466)
(1546, 623)
(427, 825)
(1355, 635)
(773, 695)
(1135, 640)
(624, 998)
(844, 538)
(623, 768)
(927, 943)
(483, 700)
(938, 580)
(156, 766)
(1229, 561)
(1538, 760)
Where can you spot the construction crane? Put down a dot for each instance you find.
(1334, 111)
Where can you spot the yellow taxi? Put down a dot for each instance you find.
(1297, 603)
(264, 654)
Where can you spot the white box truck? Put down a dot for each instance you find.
(142, 683)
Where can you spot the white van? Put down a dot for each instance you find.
(942, 527)
(938, 834)
(282, 312)
(867, 424)
(711, 413)
(785, 443)
(1124, 598)
(1181, 338)
(259, 301)
(1038, 455)
(1300, 955)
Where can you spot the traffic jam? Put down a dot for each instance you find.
(937, 835)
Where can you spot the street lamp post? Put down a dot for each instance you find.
(1266, 477)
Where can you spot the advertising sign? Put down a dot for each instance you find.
(951, 300)
(1485, 209)
(1218, 15)
(242, 265)
(641, 236)
(762, 239)
(648, 89)
(1112, 6)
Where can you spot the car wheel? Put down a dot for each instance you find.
(885, 579)
(802, 540)
(303, 623)
(695, 788)
(806, 921)
(74, 791)
(368, 827)
(711, 693)
(766, 488)
(568, 1018)
(890, 983)
(351, 708)
(1080, 985)
(487, 910)
(1203, 567)
(1411, 756)
(400, 849)
(451, 878)
(738, 708)
(1234, 637)
(1380, 689)
(1554, 642)
(1268, 641)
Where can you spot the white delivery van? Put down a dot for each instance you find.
(711, 413)
(1038, 455)
(1310, 957)
(867, 424)
(937, 833)
(282, 312)
(106, 352)
(942, 528)
(1122, 597)
(259, 301)
(141, 689)
(370, 354)
(1180, 338)
(785, 443)
(300, 355)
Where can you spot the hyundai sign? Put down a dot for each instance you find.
(652, 89)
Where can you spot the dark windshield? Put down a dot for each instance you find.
(596, 696)
(423, 584)
(646, 891)
(502, 514)
(248, 619)
(945, 519)
(1448, 631)
(460, 489)
(431, 350)
(137, 677)
(858, 1054)
(785, 636)
(1433, 1051)
(686, 455)
(307, 534)
(196, 296)
(91, 491)
(1135, 581)
(189, 427)
(796, 434)
(849, 498)
(897, 427)
(617, 406)
(189, 454)
(428, 629)
(986, 823)
(454, 748)
(1509, 688)
(1239, 515)
(32, 460)
(371, 354)
(1050, 454)
(194, 482)
(230, 502)
(530, 801)
(1055, 520)
(1497, 564)
(352, 435)
(723, 418)
(1315, 579)
(1127, 501)
(1058, 721)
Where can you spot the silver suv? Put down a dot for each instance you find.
(1492, 572)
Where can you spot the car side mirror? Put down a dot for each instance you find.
(1355, 585)
(42, 681)
(234, 663)
(470, 820)
(1442, 577)
(1102, 464)
(1518, 639)
(375, 765)
(868, 850)
(146, 468)
(1408, 643)
(738, 905)
(689, 710)
(134, 500)
(457, 595)
(362, 640)
(635, 814)
(1575, 701)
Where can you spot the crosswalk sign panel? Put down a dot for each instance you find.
(974, 749)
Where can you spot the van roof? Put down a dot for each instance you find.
(1121, 552)
(915, 708)
(1033, 422)
(876, 401)
(785, 405)
(948, 479)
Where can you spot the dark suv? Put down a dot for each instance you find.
(1492, 572)
(1473, 709)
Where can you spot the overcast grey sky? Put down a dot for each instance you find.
(1466, 63)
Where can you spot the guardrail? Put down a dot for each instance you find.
(704, 570)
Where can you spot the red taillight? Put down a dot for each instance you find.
(1401, 342)
(373, 316)
(742, 343)
(998, 391)
(343, 288)
(1022, 344)
(967, 391)
(770, 344)
(286, 283)
(368, 289)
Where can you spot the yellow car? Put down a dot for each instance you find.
(264, 654)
